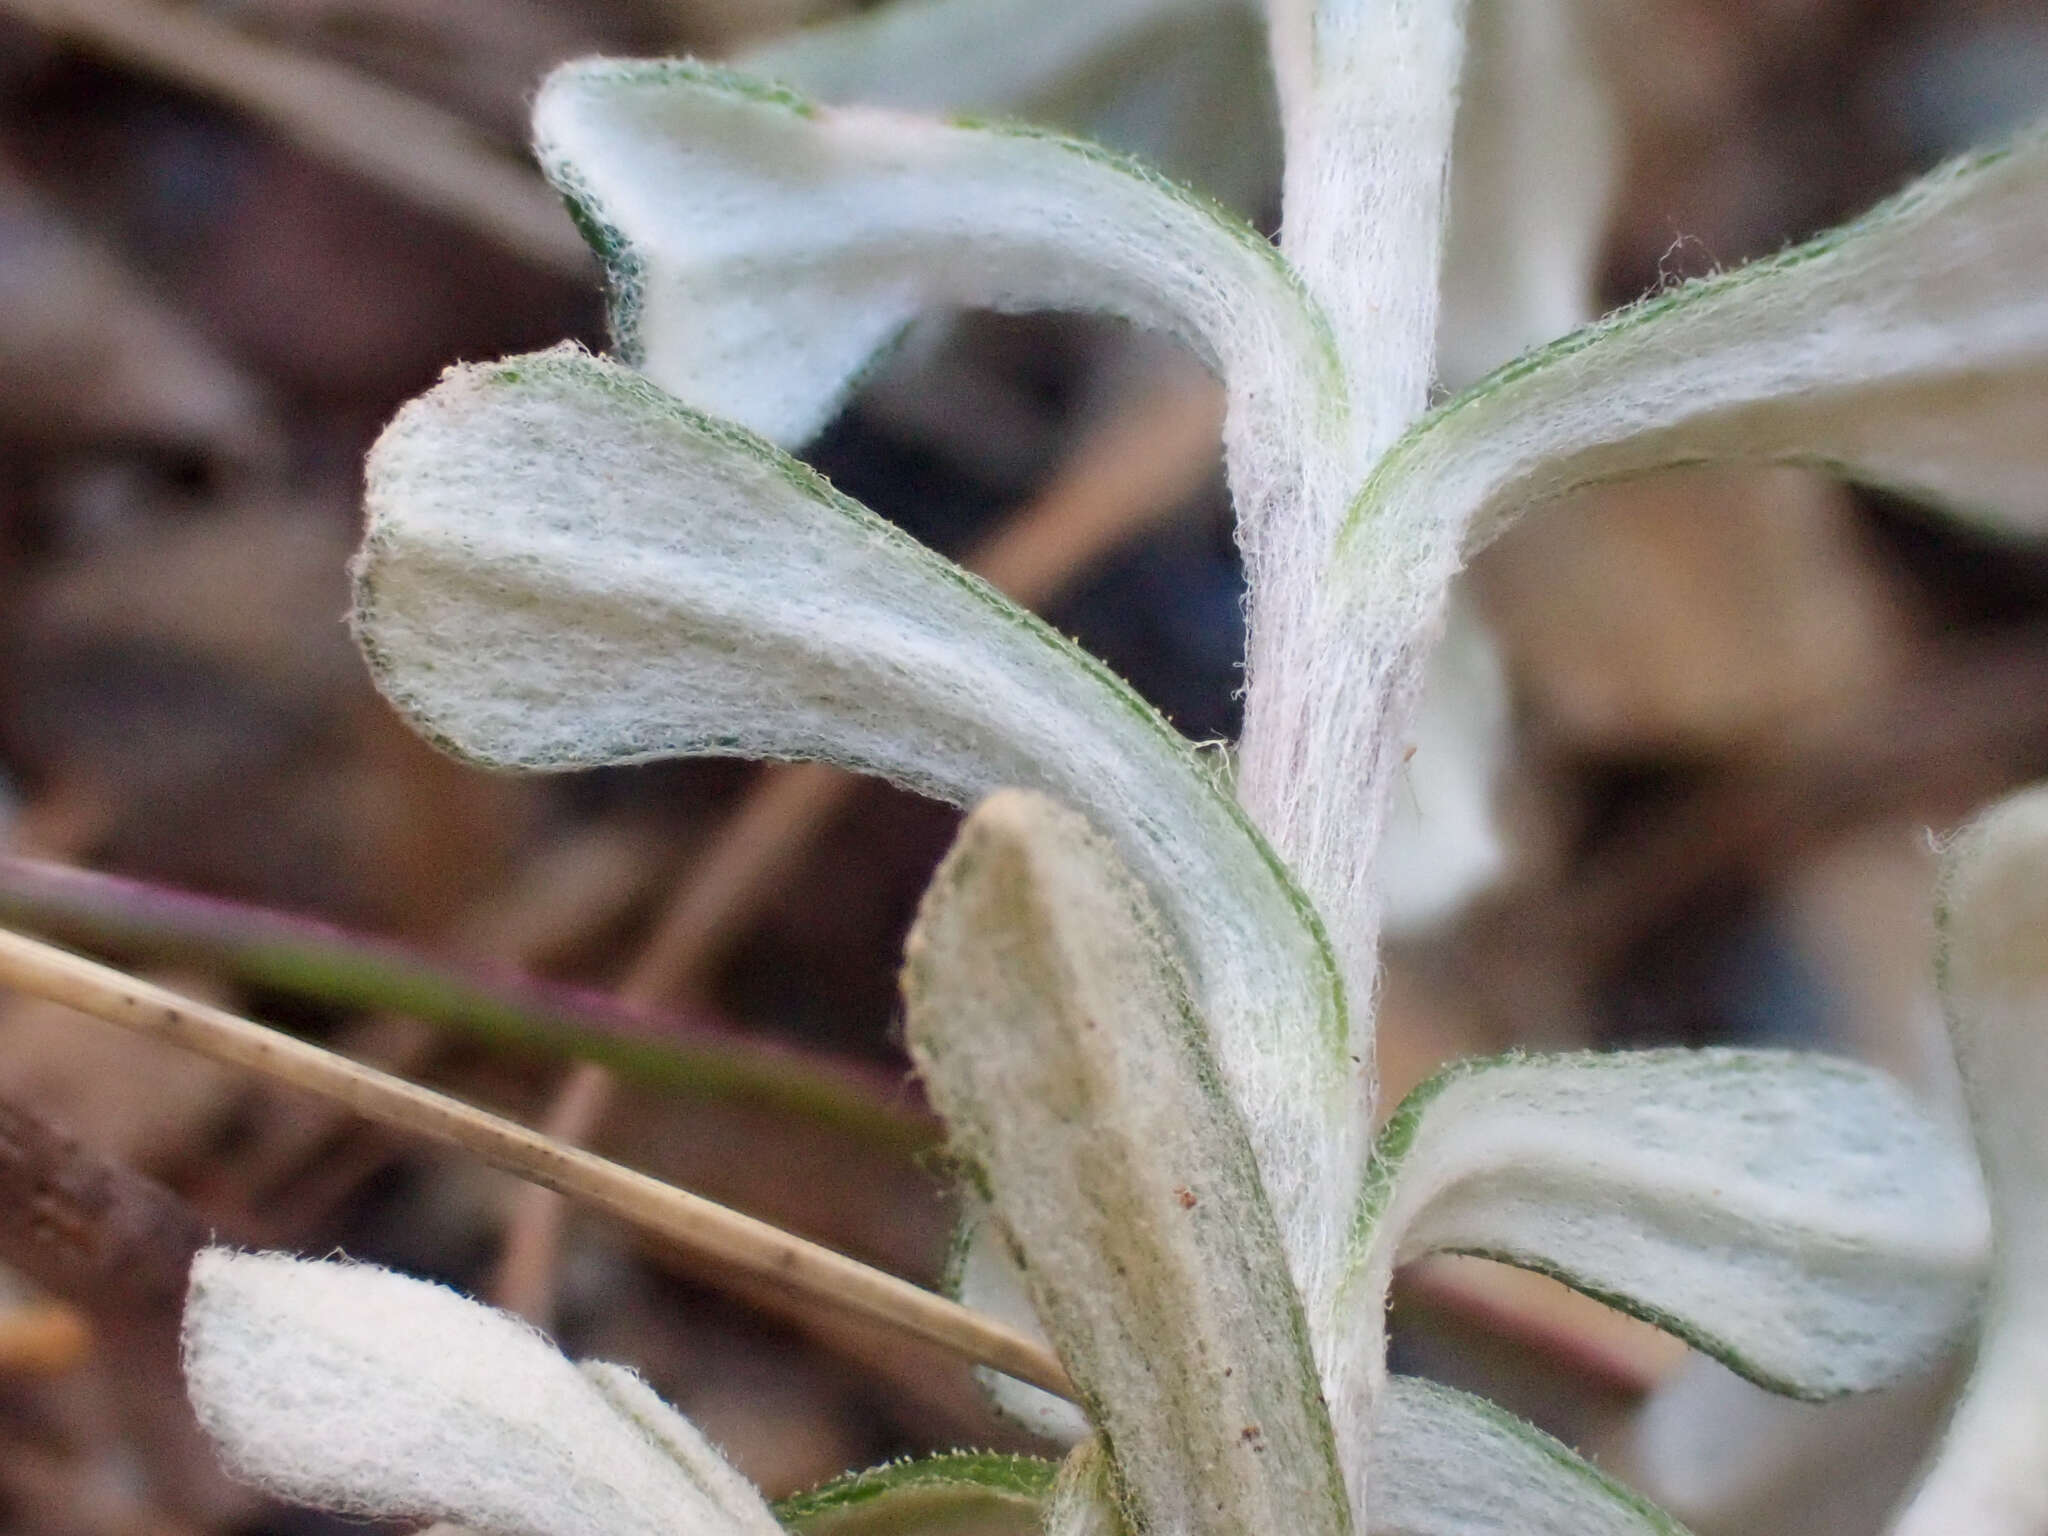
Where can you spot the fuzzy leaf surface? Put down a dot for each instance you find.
(566, 567)
(1908, 350)
(1797, 1217)
(966, 1491)
(762, 249)
(1448, 1464)
(1050, 1021)
(373, 1394)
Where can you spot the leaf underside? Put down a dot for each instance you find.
(373, 1394)
(566, 568)
(1908, 351)
(1799, 1218)
(1448, 1464)
(1054, 1033)
(762, 249)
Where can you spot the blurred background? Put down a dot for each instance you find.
(1675, 785)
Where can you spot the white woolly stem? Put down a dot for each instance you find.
(1368, 114)
(1905, 351)
(1333, 691)
(1369, 98)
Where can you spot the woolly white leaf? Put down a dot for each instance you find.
(1908, 350)
(985, 1275)
(715, 1477)
(1447, 1464)
(762, 250)
(373, 1394)
(1990, 1476)
(985, 1493)
(1054, 1033)
(1799, 1218)
(565, 567)
(1176, 81)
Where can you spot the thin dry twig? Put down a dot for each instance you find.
(752, 1246)
(726, 886)
(1141, 465)
(365, 127)
(671, 1050)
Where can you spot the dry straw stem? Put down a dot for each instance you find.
(344, 118)
(720, 895)
(1137, 468)
(133, 924)
(749, 1245)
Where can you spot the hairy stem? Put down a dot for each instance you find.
(1369, 98)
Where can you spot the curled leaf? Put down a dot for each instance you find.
(1908, 350)
(565, 567)
(762, 249)
(1797, 1217)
